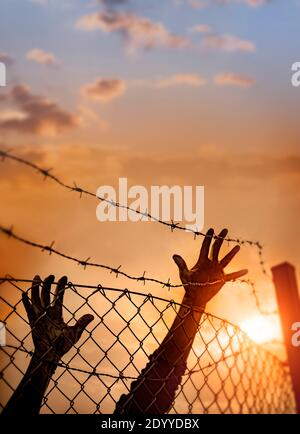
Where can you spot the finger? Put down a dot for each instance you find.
(217, 244)
(81, 324)
(59, 295)
(205, 246)
(35, 294)
(228, 258)
(28, 308)
(45, 293)
(181, 264)
(235, 275)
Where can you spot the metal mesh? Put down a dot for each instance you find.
(226, 372)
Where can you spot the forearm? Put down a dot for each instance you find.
(28, 396)
(155, 388)
(177, 344)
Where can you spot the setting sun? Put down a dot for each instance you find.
(261, 329)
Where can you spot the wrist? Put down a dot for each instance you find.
(44, 360)
(194, 301)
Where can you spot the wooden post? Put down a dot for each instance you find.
(285, 282)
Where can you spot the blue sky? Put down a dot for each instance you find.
(274, 28)
(85, 55)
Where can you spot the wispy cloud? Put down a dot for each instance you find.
(40, 2)
(104, 89)
(6, 58)
(34, 114)
(230, 79)
(42, 57)
(201, 28)
(181, 79)
(61, 3)
(137, 32)
(255, 3)
(113, 3)
(199, 4)
(228, 43)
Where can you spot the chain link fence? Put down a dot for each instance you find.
(226, 372)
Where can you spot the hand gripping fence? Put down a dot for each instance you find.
(225, 373)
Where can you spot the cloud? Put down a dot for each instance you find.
(197, 4)
(42, 57)
(63, 3)
(255, 3)
(230, 79)
(35, 114)
(113, 3)
(40, 2)
(181, 79)
(201, 28)
(6, 58)
(105, 89)
(12, 114)
(137, 32)
(89, 116)
(228, 43)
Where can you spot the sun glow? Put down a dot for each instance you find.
(261, 329)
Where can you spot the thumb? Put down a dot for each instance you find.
(81, 324)
(183, 269)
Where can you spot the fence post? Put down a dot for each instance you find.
(284, 277)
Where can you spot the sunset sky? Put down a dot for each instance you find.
(187, 92)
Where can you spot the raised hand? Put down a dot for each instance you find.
(168, 363)
(52, 337)
(208, 272)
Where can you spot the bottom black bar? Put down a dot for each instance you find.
(90, 424)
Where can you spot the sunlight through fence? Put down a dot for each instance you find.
(226, 372)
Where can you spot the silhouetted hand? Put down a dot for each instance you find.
(207, 270)
(168, 363)
(52, 338)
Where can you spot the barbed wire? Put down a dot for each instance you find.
(258, 304)
(46, 173)
(116, 270)
(122, 376)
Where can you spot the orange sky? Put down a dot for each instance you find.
(246, 193)
(167, 94)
